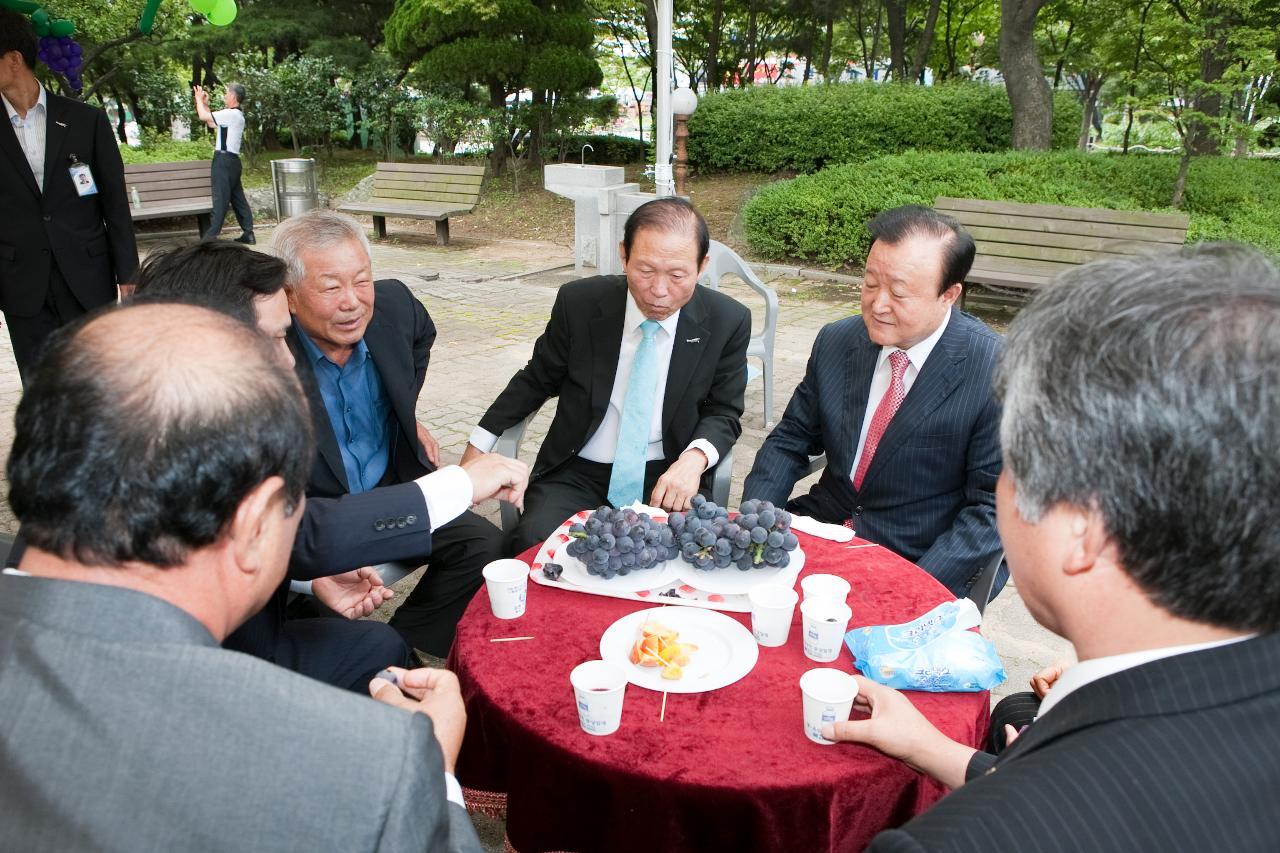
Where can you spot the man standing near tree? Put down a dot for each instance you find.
(224, 174)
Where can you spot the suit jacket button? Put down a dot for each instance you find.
(47, 217)
(401, 521)
(379, 525)
(857, 510)
(411, 519)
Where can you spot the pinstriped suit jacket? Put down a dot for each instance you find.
(929, 493)
(1179, 754)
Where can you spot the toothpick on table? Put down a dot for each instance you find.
(509, 639)
(663, 714)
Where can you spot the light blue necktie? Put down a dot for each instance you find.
(626, 482)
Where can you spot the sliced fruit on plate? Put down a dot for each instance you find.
(659, 646)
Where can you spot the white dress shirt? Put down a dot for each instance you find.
(31, 132)
(1084, 672)
(883, 375)
(602, 445)
(230, 131)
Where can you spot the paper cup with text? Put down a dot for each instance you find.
(828, 696)
(772, 606)
(508, 584)
(824, 621)
(825, 586)
(598, 690)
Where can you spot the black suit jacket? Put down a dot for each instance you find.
(576, 359)
(929, 493)
(1179, 754)
(90, 237)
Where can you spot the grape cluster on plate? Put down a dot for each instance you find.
(620, 541)
(759, 537)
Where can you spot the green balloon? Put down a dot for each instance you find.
(40, 16)
(223, 13)
(42, 30)
(204, 7)
(62, 27)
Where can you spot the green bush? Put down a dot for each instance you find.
(607, 149)
(804, 128)
(164, 150)
(823, 216)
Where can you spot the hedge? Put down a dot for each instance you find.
(168, 151)
(822, 217)
(804, 128)
(606, 148)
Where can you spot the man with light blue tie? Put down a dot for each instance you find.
(650, 371)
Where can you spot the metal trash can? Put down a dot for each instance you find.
(294, 182)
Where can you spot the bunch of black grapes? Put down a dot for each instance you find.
(759, 537)
(620, 541)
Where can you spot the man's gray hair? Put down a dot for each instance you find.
(1148, 388)
(315, 229)
(237, 89)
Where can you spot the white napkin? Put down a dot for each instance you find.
(834, 532)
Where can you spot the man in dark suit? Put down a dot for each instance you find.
(158, 520)
(899, 399)
(338, 537)
(68, 237)
(1137, 506)
(362, 349)
(650, 372)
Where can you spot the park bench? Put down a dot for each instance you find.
(420, 191)
(170, 189)
(1022, 246)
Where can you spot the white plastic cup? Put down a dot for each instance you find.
(598, 690)
(825, 586)
(824, 622)
(828, 696)
(772, 606)
(508, 585)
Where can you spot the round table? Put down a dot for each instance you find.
(728, 769)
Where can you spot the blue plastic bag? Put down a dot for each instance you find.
(935, 652)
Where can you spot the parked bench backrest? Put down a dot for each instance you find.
(410, 182)
(163, 184)
(1046, 239)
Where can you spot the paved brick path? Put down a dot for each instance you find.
(490, 301)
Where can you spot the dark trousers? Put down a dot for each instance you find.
(460, 550)
(224, 175)
(576, 485)
(341, 652)
(29, 334)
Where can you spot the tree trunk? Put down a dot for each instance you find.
(1180, 183)
(120, 120)
(714, 83)
(826, 46)
(498, 156)
(1030, 97)
(925, 44)
(1092, 86)
(897, 14)
(1215, 57)
(538, 130)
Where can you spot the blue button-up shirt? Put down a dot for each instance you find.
(359, 411)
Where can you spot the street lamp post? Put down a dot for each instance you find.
(683, 103)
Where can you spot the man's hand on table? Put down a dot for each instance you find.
(496, 476)
(898, 730)
(353, 594)
(434, 692)
(679, 483)
(429, 444)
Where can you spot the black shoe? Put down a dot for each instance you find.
(247, 238)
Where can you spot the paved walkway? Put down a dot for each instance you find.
(490, 301)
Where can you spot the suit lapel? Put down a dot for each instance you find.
(13, 149)
(326, 441)
(395, 370)
(606, 340)
(859, 368)
(55, 136)
(691, 339)
(941, 374)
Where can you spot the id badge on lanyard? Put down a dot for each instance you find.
(82, 177)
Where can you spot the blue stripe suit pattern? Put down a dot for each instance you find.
(929, 493)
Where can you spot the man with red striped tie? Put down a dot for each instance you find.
(899, 399)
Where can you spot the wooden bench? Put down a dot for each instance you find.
(420, 191)
(171, 189)
(1022, 246)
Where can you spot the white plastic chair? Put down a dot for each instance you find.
(724, 261)
(509, 445)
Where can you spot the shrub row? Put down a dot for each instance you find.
(168, 151)
(804, 128)
(607, 149)
(823, 216)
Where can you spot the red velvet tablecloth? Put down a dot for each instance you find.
(729, 769)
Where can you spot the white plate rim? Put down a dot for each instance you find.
(575, 571)
(623, 633)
